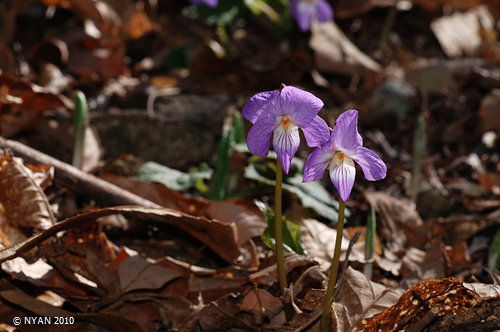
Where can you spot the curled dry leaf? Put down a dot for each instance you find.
(30, 99)
(25, 205)
(219, 237)
(41, 274)
(357, 297)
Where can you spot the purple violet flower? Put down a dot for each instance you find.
(339, 153)
(210, 3)
(282, 113)
(305, 10)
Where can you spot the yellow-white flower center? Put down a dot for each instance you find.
(339, 158)
(286, 125)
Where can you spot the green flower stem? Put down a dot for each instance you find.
(278, 232)
(327, 303)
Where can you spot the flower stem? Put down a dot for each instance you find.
(278, 232)
(327, 303)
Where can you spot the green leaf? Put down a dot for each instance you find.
(311, 194)
(292, 238)
(80, 120)
(370, 234)
(494, 257)
(224, 153)
(239, 128)
(171, 178)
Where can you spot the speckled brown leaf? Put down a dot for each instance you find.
(422, 303)
(25, 206)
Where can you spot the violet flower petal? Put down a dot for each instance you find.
(317, 132)
(259, 136)
(299, 105)
(316, 163)
(303, 12)
(286, 143)
(259, 104)
(343, 175)
(345, 136)
(210, 3)
(324, 11)
(373, 167)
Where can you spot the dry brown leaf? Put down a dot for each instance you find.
(319, 241)
(424, 265)
(269, 275)
(99, 11)
(460, 33)
(334, 52)
(139, 25)
(350, 8)
(23, 103)
(159, 194)
(24, 203)
(489, 111)
(454, 4)
(262, 305)
(249, 220)
(137, 273)
(422, 303)
(395, 215)
(42, 275)
(357, 297)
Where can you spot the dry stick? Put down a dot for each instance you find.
(103, 192)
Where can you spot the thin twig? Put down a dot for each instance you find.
(102, 192)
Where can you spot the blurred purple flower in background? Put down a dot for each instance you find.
(210, 3)
(304, 11)
(282, 113)
(339, 153)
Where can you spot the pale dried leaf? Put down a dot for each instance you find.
(42, 275)
(319, 241)
(24, 202)
(419, 265)
(460, 34)
(357, 298)
(334, 52)
(484, 290)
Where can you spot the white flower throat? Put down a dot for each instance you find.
(286, 125)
